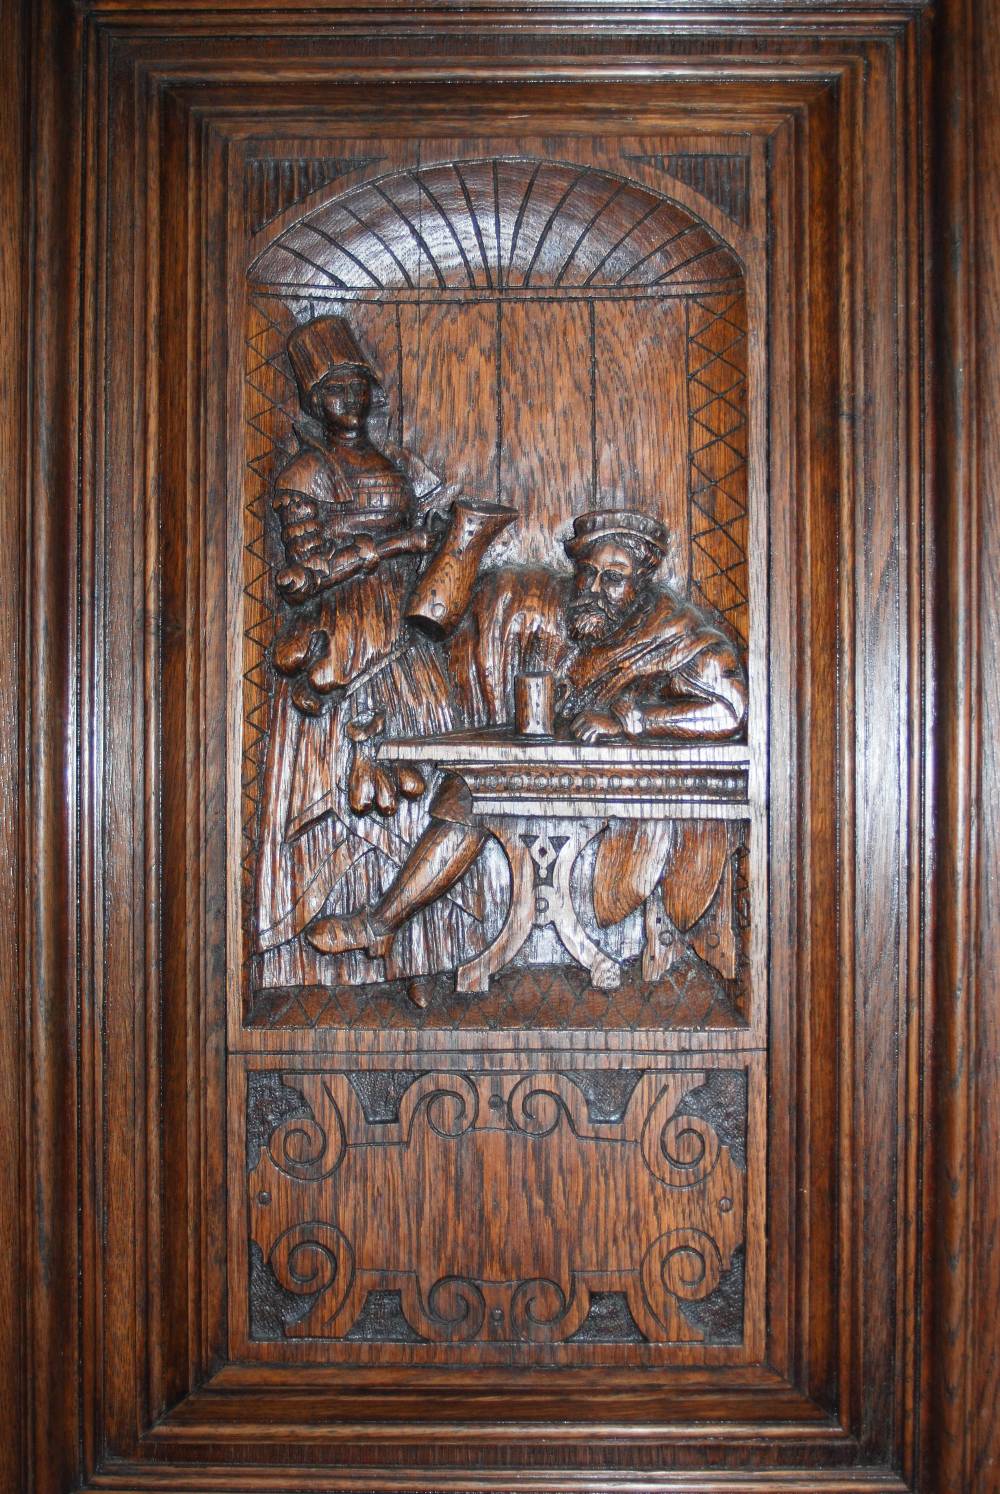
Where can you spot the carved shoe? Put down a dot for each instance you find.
(343, 932)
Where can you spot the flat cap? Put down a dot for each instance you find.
(607, 523)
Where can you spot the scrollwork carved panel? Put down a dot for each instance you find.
(500, 1215)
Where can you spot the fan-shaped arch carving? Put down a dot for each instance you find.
(491, 225)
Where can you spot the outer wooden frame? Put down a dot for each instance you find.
(94, 1075)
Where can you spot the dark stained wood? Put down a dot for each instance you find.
(462, 337)
(961, 1445)
(167, 149)
(984, 1397)
(14, 293)
(49, 789)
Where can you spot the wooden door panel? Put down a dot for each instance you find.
(580, 340)
(464, 1098)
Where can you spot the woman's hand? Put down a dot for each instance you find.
(301, 529)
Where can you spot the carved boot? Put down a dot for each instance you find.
(343, 932)
(442, 854)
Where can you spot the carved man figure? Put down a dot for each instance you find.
(634, 661)
(335, 826)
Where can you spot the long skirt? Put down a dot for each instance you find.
(317, 857)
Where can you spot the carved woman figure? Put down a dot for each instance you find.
(336, 827)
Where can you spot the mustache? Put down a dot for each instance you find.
(594, 604)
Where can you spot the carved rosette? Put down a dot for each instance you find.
(503, 1208)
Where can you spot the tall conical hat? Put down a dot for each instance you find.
(323, 347)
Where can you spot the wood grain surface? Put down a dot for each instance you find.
(13, 391)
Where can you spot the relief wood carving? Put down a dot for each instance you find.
(499, 769)
(349, 1248)
(471, 759)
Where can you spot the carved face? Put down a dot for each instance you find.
(343, 402)
(606, 586)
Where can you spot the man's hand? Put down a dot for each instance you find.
(595, 726)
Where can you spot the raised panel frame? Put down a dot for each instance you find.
(144, 1080)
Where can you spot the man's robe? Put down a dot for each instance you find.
(517, 622)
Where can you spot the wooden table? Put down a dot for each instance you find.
(545, 800)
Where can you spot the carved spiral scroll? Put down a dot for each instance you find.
(314, 1257)
(450, 1103)
(456, 1308)
(680, 1150)
(535, 1107)
(685, 1263)
(541, 1313)
(305, 1150)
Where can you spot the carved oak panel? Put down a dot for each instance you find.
(502, 743)
(505, 1217)
(543, 488)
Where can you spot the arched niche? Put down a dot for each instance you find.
(500, 226)
(556, 337)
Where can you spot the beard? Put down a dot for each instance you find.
(591, 620)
